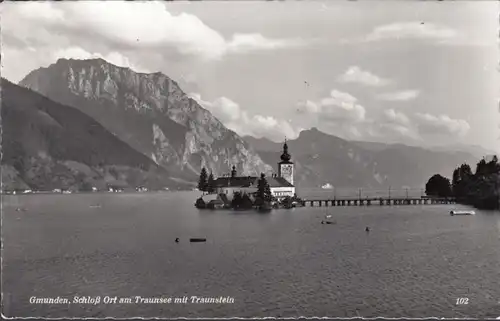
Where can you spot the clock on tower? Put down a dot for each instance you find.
(285, 167)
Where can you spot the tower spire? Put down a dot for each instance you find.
(285, 157)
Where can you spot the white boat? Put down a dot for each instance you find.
(462, 213)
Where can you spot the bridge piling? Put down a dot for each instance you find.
(381, 201)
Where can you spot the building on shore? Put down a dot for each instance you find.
(281, 184)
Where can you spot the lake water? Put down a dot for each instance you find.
(415, 262)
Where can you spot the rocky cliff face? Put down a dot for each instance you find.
(150, 113)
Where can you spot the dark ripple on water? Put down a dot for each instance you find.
(415, 262)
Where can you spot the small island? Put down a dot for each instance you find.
(480, 189)
(250, 192)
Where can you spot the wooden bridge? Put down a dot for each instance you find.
(367, 197)
(378, 201)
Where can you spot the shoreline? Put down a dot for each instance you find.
(98, 192)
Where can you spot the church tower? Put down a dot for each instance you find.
(285, 167)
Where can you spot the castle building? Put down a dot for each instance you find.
(281, 185)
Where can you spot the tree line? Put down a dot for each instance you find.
(478, 188)
(206, 183)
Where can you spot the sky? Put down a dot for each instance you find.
(414, 72)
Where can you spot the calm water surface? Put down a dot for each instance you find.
(415, 262)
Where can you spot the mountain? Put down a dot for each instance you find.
(375, 146)
(322, 159)
(475, 150)
(150, 113)
(47, 145)
(261, 144)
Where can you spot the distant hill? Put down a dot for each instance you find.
(261, 144)
(475, 150)
(325, 159)
(47, 145)
(149, 112)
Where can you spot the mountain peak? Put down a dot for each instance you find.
(72, 65)
(168, 127)
(313, 132)
(98, 61)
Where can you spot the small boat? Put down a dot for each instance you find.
(197, 240)
(462, 213)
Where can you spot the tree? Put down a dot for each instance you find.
(263, 189)
(462, 177)
(481, 168)
(493, 167)
(438, 186)
(480, 188)
(211, 183)
(246, 202)
(237, 200)
(202, 182)
(268, 195)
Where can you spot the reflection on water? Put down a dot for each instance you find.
(415, 261)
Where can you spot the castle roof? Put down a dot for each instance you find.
(237, 181)
(285, 157)
(250, 181)
(278, 182)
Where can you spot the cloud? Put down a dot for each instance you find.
(337, 107)
(414, 30)
(355, 74)
(238, 120)
(133, 25)
(396, 117)
(338, 114)
(394, 132)
(411, 30)
(441, 125)
(248, 42)
(40, 11)
(392, 126)
(404, 95)
(341, 114)
(420, 127)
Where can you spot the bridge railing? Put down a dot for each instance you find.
(359, 193)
